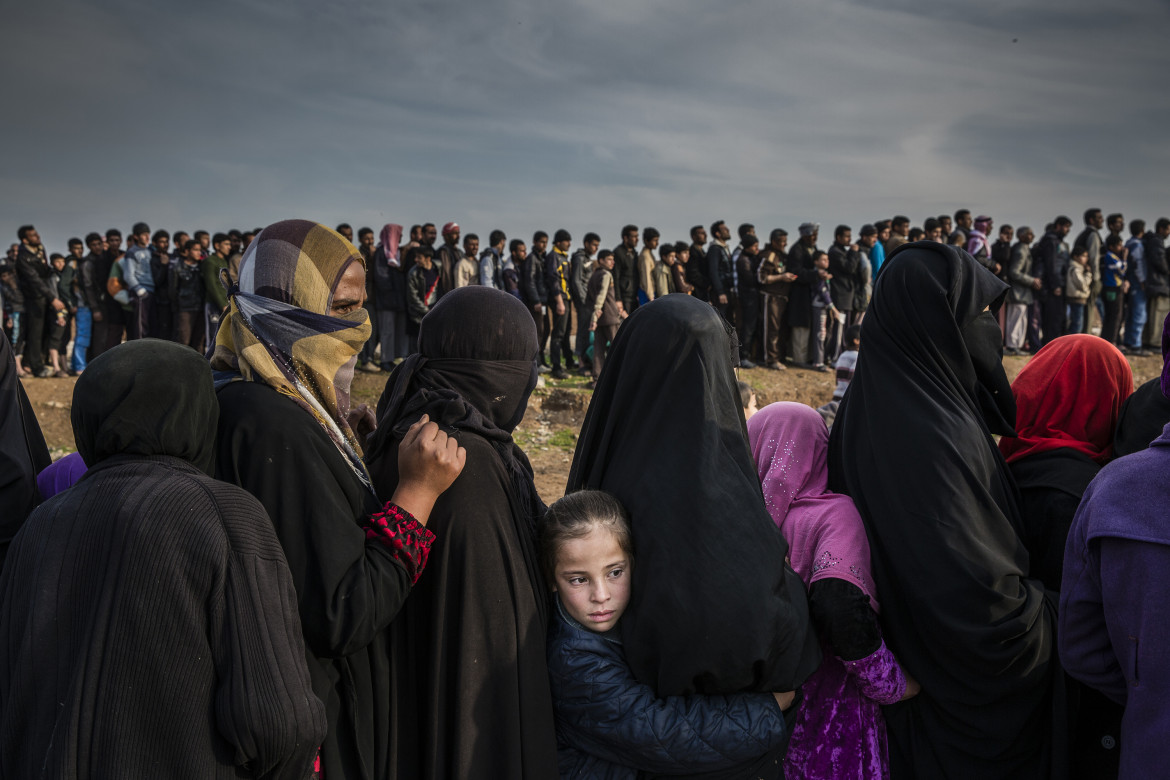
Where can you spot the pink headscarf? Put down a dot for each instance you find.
(826, 538)
(391, 235)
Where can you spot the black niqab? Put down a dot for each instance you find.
(714, 608)
(163, 403)
(470, 690)
(23, 453)
(912, 444)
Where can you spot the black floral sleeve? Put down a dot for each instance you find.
(406, 538)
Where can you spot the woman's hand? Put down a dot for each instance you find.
(428, 462)
(912, 687)
(362, 422)
(784, 699)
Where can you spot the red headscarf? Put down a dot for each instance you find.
(1069, 395)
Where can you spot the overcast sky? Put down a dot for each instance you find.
(584, 114)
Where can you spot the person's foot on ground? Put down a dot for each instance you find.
(820, 367)
(59, 374)
(559, 373)
(745, 363)
(45, 373)
(369, 368)
(777, 366)
(543, 369)
(1010, 351)
(590, 385)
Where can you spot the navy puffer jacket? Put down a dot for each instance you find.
(610, 726)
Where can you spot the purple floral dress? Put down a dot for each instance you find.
(839, 733)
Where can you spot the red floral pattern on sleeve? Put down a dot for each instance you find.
(406, 538)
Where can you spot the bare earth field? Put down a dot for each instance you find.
(556, 410)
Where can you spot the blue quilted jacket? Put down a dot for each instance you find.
(611, 727)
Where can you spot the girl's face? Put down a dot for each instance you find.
(593, 579)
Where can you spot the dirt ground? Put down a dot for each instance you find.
(549, 430)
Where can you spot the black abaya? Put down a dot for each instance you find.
(912, 445)
(714, 607)
(348, 588)
(1143, 415)
(470, 695)
(1051, 486)
(148, 623)
(23, 453)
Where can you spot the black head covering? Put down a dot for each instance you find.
(23, 453)
(1142, 418)
(146, 397)
(912, 445)
(474, 371)
(714, 608)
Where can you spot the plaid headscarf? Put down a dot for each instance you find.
(277, 331)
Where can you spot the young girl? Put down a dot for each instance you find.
(839, 732)
(609, 725)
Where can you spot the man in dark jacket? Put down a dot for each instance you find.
(93, 290)
(800, 311)
(1021, 296)
(1050, 263)
(556, 279)
(1001, 251)
(580, 272)
(844, 262)
(33, 274)
(1135, 300)
(160, 262)
(720, 272)
(535, 292)
(775, 283)
(448, 257)
(625, 268)
(697, 264)
(1157, 282)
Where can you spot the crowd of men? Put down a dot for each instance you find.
(789, 305)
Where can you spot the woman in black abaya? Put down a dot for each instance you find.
(469, 683)
(23, 453)
(912, 445)
(714, 607)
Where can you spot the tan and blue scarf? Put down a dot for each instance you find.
(277, 330)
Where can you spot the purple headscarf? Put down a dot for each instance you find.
(790, 445)
(61, 475)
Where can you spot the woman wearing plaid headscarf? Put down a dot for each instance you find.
(285, 356)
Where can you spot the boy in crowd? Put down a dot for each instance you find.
(1077, 288)
(747, 399)
(823, 309)
(63, 276)
(1113, 287)
(606, 311)
(846, 366)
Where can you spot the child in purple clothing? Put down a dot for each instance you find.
(839, 731)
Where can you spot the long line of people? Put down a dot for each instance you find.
(902, 597)
(788, 307)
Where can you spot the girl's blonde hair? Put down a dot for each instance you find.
(573, 517)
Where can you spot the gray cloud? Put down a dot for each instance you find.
(582, 113)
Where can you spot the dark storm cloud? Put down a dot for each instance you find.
(531, 114)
